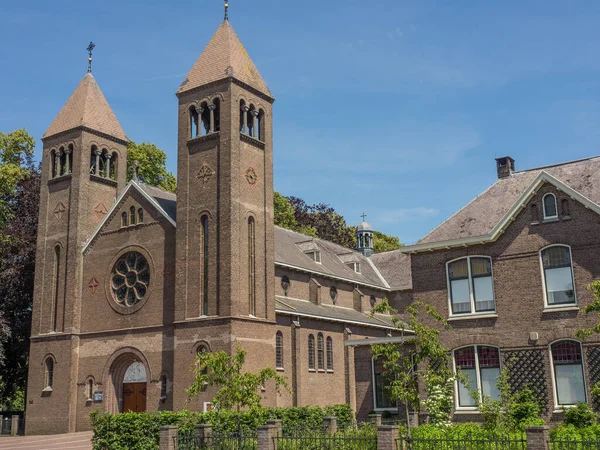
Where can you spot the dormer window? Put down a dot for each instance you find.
(315, 255)
(355, 266)
(550, 209)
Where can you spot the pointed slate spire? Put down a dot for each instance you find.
(87, 107)
(224, 57)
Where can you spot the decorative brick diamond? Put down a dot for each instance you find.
(205, 173)
(100, 210)
(93, 285)
(251, 176)
(59, 210)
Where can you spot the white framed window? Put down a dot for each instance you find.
(550, 208)
(315, 255)
(471, 285)
(557, 272)
(279, 350)
(355, 266)
(567, 372)
(381, 392)
(481, 366)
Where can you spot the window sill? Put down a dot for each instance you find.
(312, 370)
(321, 370)
(252, 140)
(392, 409)
(467, 411)
(551, 309)
(100, 179)
(550, 219)
(280, 369)
(66, 176)
(47, 389)
(473, 317)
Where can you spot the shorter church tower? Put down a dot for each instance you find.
(364, 238)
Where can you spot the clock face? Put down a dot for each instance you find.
(251, 176)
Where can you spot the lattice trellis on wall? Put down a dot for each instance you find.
(593, 364)
(527, 368)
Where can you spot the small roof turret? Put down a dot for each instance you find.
(364, 226)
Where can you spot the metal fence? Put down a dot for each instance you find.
(564, 444)
(351, 439)
(218, 441)
(462, 443)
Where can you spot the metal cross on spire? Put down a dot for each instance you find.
(363, 216)
(90, 49)
(226, 19)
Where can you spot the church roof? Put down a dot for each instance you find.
(167, 200)
(289, 251)
(87, 107)
(224, 57)
(485, 215)
(395, 267)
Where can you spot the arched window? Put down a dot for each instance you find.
(373, 301)
(163, 387)
(285, 284)
(471, 286)
(132, 215)
(69, 159)
(550, 209)
(567, 366)
(114, 165)
(558, 275)
(62, 168)
(204, 114)
(53, 164)
(124, 219)
(329, 353)
(202, 349)
(311, 351)
(481, 366)
(103, 165)
(49, 374)
(333, 293)
(252, 119)
(260, 125)
(56, 292)
(194, 125)
(140, 215)
(204, 242)
(251, 267)
(243, 117)
(533, 212)
(215, 116)
(320, 352)
(279, 350)
(95, 161)
(90, 390)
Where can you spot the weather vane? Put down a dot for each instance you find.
(226, 7)
(90, 49)
(363, 216)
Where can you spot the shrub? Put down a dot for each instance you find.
(140, 431)
(581, 415)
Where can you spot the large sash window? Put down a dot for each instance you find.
(471, 285)
(558, 275)
(481, 367)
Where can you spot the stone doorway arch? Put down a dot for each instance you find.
(127, 370)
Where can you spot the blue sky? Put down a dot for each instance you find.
(395, 108)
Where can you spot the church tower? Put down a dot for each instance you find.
(225, 231)
(225, 253)
(83, 169)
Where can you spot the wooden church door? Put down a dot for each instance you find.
(135, 388)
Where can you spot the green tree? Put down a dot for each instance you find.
(285, 216)
(421, 355)
(593, 307)
(19, 202)
(384, 243)
(238, 389)
(152, 166)
(16, 162)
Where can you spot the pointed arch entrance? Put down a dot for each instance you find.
(126, 382)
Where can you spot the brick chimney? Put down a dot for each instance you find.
(505, 166)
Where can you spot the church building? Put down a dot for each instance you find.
(132, 281)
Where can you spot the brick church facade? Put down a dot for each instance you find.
(133, 281)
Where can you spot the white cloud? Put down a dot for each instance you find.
(405, 214)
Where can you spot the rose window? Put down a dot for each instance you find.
(130, 279)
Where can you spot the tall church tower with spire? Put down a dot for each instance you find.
(83, 168)
(225, 234)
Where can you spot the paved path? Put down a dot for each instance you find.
(72, 441)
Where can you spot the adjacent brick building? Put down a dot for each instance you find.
(132, 281)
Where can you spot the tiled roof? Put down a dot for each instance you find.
(483, 213)
(395, 267)
(336, 313)
(288, 252)
(87, 107)
(167, 200)
(224, 56)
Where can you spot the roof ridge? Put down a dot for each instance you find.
(557, 164)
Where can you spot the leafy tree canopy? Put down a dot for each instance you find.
(321, 220)
(152, 166)
(19, 202)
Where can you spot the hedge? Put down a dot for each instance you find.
(140, 431)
